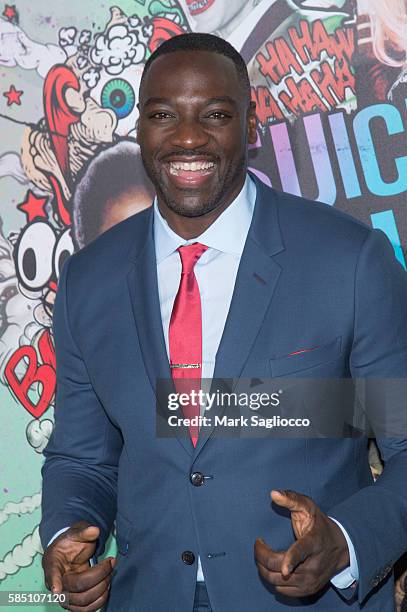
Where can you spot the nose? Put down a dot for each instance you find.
(189, 134)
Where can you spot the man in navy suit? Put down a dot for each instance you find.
(279, 287)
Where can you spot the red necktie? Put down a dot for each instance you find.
(185, 333)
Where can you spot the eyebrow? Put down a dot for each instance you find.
(155, 101)
(227, 99)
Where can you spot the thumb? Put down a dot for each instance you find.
(293, 501)
(83, 533)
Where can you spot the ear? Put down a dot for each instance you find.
(138, 121)
(252, 123)
(137, 126)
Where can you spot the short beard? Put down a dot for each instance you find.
(197, 211)
(205, 207)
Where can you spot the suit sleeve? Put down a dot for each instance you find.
(376, 516)
(81, 458)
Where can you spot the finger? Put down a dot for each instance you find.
(96, 605)
(293, 586)
(77, 582)
(296, 554)
(293, 501)
(276, 578)
(294, 591)
(88, 533)
(267, 557)
(53, 572)
(87, 598)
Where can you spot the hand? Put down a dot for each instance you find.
(66, 568)
(400, 595)
(320, 550)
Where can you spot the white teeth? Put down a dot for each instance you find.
(189, 167)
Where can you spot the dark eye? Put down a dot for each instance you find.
(118, 95)
(160, 115)
(218, 115)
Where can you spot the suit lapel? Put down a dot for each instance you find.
(256, 281)
(255, 284)
(143, 289)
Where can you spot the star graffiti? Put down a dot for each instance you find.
(13, 96)
(10, 13)
(33, 206)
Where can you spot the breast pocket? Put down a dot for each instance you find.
(305, 360)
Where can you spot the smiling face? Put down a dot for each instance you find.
(194, 128)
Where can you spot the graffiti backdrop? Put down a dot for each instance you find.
(329, 78)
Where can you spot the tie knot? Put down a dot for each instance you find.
(190, 253)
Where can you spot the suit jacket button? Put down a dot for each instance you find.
(197, 479)
(188, 557)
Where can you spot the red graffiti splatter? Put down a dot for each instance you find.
(59, 116)
(334, 81)
(164, 29)
(313, 39)
(285, 60)
(62, 210)
(302, 97)
(280, 61)
(266, 106)
(46, 349)
(306, 45)
(43, 373)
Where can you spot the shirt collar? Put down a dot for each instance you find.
(227, 234)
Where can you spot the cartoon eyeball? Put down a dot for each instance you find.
(119, 95)
(39, 254)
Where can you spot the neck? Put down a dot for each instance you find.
(192, 227)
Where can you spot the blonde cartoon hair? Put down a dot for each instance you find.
(389, 30)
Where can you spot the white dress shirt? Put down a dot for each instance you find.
(215, 272)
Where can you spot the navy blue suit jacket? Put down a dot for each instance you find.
(309, 276)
